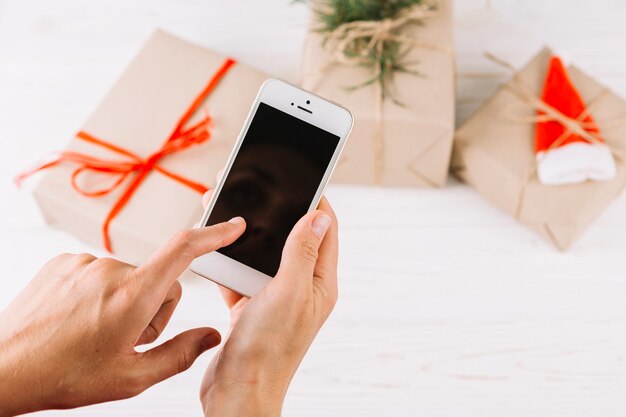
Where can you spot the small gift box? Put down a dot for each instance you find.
(403, 138)
(495, 151)
(133, 175)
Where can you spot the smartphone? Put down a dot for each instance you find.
(276, 173)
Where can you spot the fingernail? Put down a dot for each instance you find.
(211, 340)
(236, 220)
(320, 225)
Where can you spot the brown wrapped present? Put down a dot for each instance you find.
(132, 176)
(405, 139)
(494, 152)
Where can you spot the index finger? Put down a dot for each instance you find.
(171, 260)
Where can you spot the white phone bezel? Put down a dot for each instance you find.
(302, 105)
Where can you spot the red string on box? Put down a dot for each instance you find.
(136, 167)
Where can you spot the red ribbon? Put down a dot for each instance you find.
(181, 138)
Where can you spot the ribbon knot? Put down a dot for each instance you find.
(135, 167)
(546, 113)
(355, 40)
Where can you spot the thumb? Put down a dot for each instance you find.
(301, 248)
(178, 354)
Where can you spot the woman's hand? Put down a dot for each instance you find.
(272, 331)
(69, 338)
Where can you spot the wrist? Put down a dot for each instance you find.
(18, 394)
(241, 400)
(243, 388)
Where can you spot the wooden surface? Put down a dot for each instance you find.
(448, 307)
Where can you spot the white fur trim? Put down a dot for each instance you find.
(575, 163)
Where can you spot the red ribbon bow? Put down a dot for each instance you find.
(181, 138)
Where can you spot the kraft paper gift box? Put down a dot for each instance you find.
(495, 154)
(417, 134)
(138, 114)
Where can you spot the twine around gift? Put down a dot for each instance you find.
(374, 34)
(544, 112)
(346, 35)
(133, 166)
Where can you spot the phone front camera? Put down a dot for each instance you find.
(292, 104)
(308, 102)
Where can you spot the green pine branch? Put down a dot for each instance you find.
(389, 59)
(334, 13)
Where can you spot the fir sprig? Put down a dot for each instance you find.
(333, 13)
(386, 60)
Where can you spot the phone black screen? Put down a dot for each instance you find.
(271, 184)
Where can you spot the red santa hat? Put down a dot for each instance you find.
(575, 159)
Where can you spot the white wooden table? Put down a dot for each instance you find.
(447, 307)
